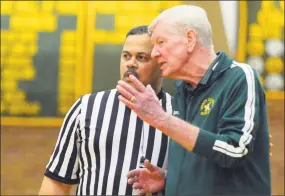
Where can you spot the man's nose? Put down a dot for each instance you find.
(132, 63)
(154, 53)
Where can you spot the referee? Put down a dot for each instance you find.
(101, 139)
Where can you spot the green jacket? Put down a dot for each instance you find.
(231, 155)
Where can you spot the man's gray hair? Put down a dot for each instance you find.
(185, 17)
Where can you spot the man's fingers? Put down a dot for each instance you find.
(149, 166)
(137, 185)
(133, 173)
(137, 84)
(126, 102)
(130, 181)
(124, 90)
(150, 89)
(270, 144)
(141, 192)
(133, 180)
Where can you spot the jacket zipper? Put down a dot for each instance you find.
(180, 171)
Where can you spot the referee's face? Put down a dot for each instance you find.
(136, 59)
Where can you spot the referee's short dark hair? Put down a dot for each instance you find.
(139, 30)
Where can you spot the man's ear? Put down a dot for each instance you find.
(191, 36)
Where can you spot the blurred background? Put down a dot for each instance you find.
(52, 52)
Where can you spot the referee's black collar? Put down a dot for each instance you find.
(160, 94)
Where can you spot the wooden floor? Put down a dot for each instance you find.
(26, 151)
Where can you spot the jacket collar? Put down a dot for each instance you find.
(216, 69)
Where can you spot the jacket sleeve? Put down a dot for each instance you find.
(63, 163)
(238, 123)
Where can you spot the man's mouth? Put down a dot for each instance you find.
(131, 71)
(162, 66)
(162, 63)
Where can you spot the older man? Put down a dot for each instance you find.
(219, 139)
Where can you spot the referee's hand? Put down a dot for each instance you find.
(147, 180)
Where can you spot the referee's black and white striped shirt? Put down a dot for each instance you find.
(100, 141)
